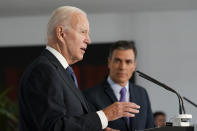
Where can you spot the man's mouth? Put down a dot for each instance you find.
(84, 49)
(121, 74)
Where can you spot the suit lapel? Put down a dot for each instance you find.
(109, 92)
(67, 79)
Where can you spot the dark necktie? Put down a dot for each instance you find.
(123, 92)
(71, 72)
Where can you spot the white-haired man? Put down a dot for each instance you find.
(49, 99)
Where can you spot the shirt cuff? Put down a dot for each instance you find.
(103, 118)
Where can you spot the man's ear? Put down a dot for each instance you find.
(59, 32)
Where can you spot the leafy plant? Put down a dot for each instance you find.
(8, 112)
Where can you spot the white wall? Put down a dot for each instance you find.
(165, 42)
(23, 30)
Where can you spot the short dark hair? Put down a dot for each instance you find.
(158, 113)
(123, 45)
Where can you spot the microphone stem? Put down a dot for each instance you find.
(181, 105)
(190, 101)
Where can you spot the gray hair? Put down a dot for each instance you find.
(122, 45)
(61, 16)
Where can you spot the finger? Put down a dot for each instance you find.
(131, 105)
(127, 104)
(135, 105)
(121, 105)
(131, 110)
(127, 114)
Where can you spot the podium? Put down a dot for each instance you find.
(171, 128)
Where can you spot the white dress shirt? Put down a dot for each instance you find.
(64, 63)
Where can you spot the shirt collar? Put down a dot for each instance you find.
(116, 87)
(60, 58)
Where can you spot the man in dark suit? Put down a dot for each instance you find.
(49, 97)
(116, 87)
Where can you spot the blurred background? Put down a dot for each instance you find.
(165, 33)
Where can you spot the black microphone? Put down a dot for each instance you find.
(181, 105)
(188, 100)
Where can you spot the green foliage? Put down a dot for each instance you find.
(8, 112)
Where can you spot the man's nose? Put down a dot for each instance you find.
(88, 40)
(122, 65)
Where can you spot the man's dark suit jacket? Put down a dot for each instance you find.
(49, 100)
(102, 96)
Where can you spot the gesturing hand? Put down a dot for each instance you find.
(121, 109)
